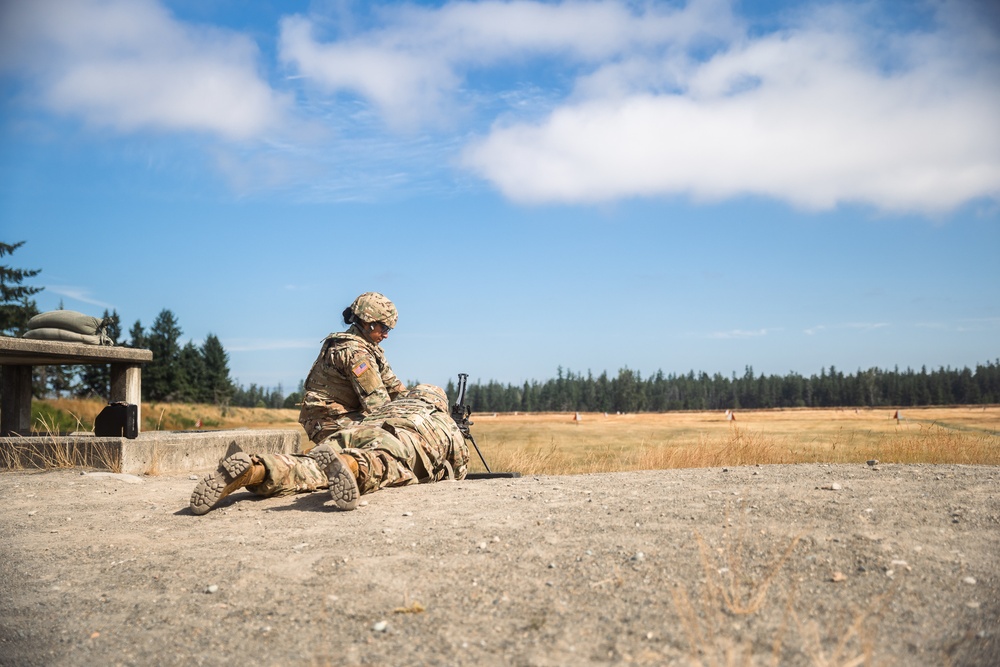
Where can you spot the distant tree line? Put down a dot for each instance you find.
(630, 392)
(187, 373)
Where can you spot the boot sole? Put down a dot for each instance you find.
(343, 487)
(212, 489)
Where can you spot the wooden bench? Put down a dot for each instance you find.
(19, 355)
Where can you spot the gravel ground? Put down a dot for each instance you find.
(791, 565)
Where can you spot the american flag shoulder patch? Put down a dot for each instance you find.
(360, 368)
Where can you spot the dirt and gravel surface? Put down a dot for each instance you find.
(792, 565)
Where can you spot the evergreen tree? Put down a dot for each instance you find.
(137, 336)
(162, 379)
(16, 306)
(191, 375)
(217, 387)
(60, 380)
(625, 391)
(628, 392)
(294, 399)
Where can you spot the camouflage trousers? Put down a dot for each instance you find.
(298, 473)
(320, 423)
(379, 469)
(288, 474)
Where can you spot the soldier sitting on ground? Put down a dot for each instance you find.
(351, 376)
(410, 440)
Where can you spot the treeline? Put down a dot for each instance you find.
(184, 373)
(630, 392)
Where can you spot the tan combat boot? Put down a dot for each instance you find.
(341, 474)
(234, 473)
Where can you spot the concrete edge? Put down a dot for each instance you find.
(152, 453)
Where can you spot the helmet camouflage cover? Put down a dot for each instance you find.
(374, 307)
(429, 393)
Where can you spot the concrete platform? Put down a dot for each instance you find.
(153, 452)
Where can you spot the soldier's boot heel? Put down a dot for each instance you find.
(341, 474)
(234, 472)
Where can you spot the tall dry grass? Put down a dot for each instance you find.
(157, 416)
(555, 443)
(55, 451)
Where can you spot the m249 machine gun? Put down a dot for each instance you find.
(461, 412)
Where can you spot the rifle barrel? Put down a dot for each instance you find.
(462, 379)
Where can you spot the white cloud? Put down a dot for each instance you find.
(418, 59)
(576, 101)
(864, 326)
(809, 115)
(739, 333)
(660, 100)
(80, 294)
(129, 65)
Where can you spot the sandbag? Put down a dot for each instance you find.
(68, 320)
(64, 336)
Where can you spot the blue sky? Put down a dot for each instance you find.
(671, 186)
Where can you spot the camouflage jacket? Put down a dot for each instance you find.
(437, 439)
(350, 375)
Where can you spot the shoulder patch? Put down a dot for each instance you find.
(366, 376)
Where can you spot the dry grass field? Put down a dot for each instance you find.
(556, 443)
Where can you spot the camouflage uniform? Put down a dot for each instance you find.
(407, 441)
(288, 474)
(348, 380)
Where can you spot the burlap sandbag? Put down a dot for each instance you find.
(64, 336)
(68, 320)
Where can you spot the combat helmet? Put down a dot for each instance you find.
(429, 393)
(374, 307)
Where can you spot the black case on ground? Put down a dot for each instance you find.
(118, 420)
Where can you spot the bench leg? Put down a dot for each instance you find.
(126, 385)
(15, 401)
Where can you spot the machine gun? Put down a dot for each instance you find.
(461, 412)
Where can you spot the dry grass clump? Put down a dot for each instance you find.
(55, 451)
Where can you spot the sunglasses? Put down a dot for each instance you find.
(385, 329)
